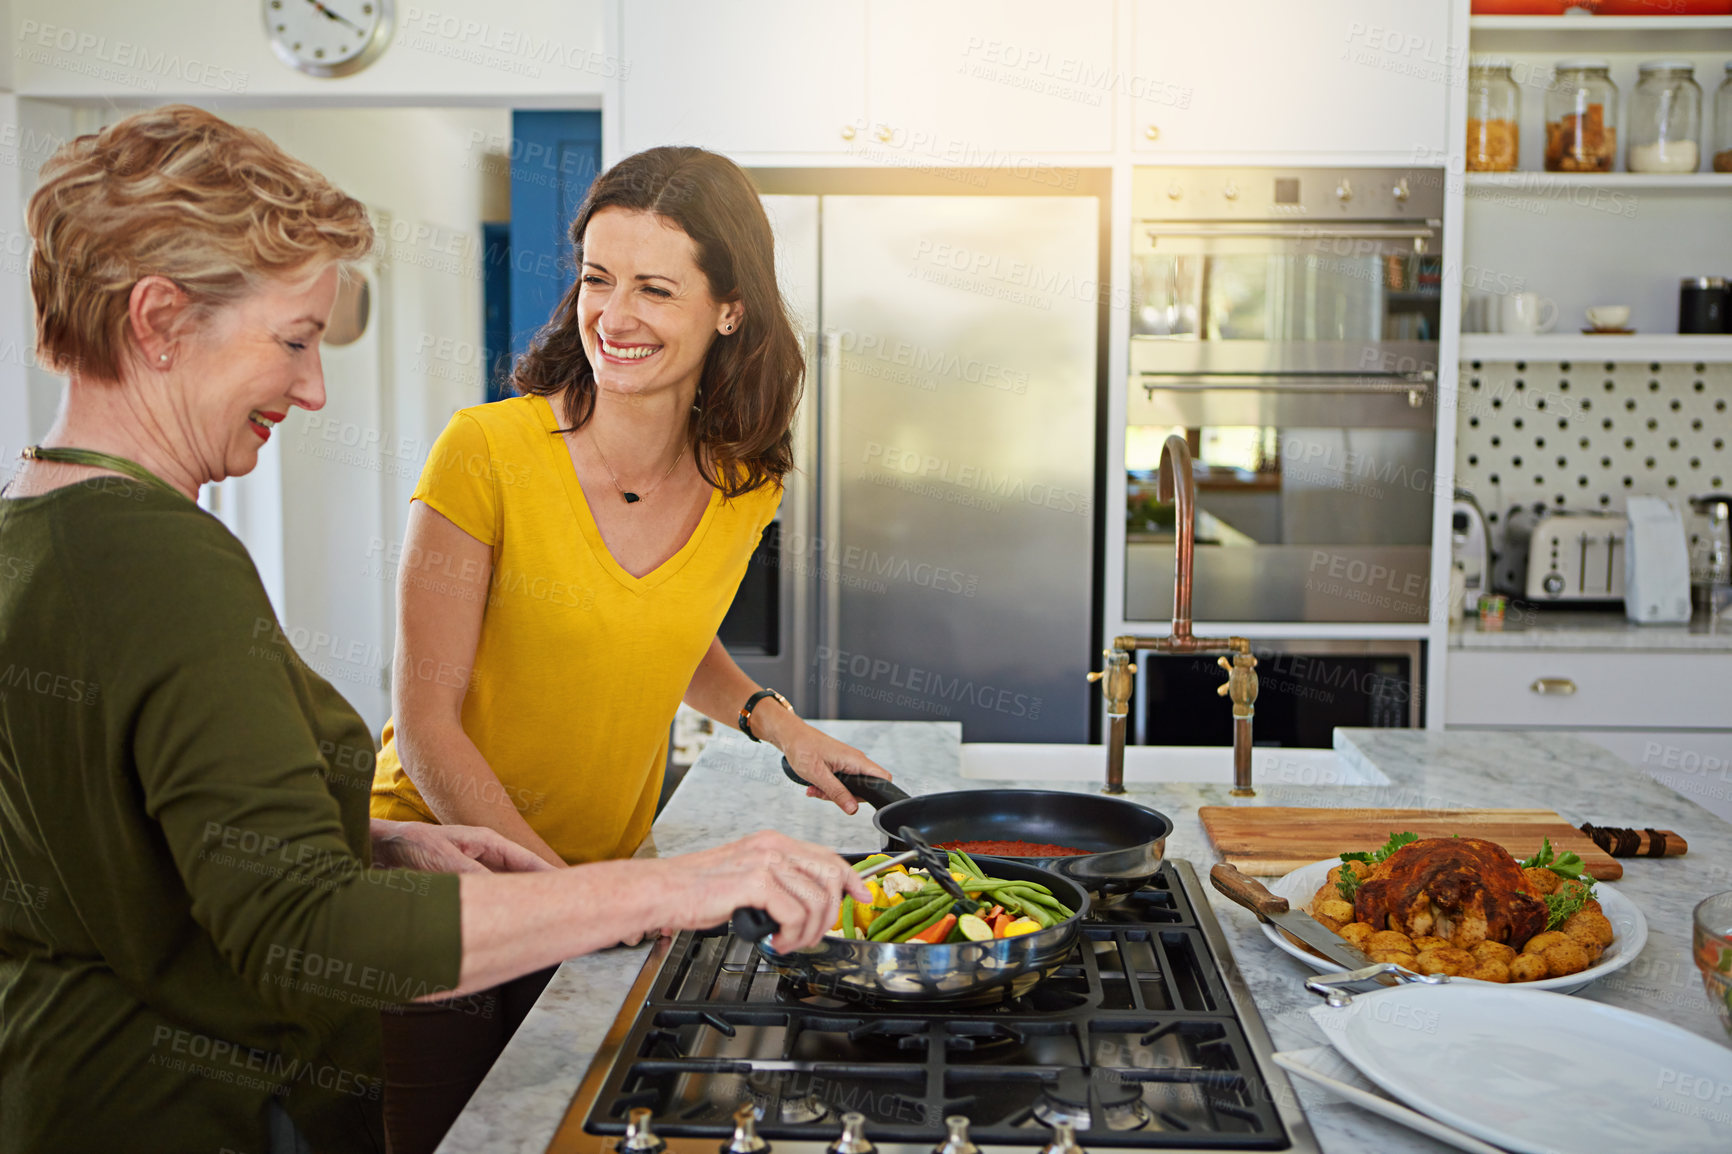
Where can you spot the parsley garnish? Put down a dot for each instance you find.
(1565, 865)
(1567, 902)
(1396, 841)
(1348, 883)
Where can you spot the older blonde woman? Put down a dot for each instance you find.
(218, 920)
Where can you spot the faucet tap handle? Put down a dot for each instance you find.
(1241, 683)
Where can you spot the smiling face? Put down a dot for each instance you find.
(248, 366)
(645, 305)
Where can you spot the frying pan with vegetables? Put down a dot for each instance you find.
(858, 969)
(1124, 841)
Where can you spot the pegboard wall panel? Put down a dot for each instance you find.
(1585, 435)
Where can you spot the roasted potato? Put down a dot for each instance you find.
(1488, 970)
(1398, 957)
(1387, 940)
(1357, 933)
(1445, 960)
(1567, 957)
(1590, 928)
(1542, 880)
(1540, 943)
(1528, 968)
(1333, 912)
(1494, 952)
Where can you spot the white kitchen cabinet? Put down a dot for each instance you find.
(1575, 689)
(970, 81)
(745, 76)
(1271, 76)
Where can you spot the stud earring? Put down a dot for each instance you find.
(730, 327)
(162, 357)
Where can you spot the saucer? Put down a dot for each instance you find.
(1609, 332)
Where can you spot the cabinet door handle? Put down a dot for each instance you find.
(884, 134)
(1553, 686)
(847, 132)
(1153, 132)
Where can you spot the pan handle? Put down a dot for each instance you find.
(754, 924)
(874, 791)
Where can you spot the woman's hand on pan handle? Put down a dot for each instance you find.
(718, 690)
(818, 757)
(798, 884)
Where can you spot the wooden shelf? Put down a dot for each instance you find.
(1600, 33)
(1547, 184)
(1655, 347)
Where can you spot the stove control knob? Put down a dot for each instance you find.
(745, 1140)
(1344, 190)
(639, 1138)
(853, 1139)
(958, 1142)
(1063, 1140)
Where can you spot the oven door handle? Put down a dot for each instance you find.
(1284, 231)
(1284, 383)
(1415, 385)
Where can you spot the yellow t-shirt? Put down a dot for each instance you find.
(580, 666)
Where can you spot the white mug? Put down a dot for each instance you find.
(1608, 316)
(1528, 313)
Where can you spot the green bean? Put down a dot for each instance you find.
(887, 922)
(848, 916)
(937, 916)
(922, 917)
(969, 863)
(1031, 901)
(1039, 896)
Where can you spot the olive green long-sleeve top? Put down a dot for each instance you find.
(189, 924)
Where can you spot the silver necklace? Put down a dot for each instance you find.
(632, 498)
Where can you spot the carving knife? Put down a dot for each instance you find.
(1313, 934)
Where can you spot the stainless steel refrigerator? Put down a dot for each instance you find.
(933, 558)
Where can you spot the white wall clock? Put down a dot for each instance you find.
(328, 37)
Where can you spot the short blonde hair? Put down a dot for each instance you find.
(179, 193)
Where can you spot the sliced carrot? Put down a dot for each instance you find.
(989, 915)
(998, 923)
(937, 931)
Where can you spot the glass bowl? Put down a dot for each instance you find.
(1712, 944)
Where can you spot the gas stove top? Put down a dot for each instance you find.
(1142, 1037)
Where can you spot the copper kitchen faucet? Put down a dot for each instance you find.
(1116, 679)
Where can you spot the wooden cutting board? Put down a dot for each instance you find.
(1268, 841)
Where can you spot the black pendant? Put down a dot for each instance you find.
(631, 498)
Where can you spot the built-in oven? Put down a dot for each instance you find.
(1286, 321)
(1306, 688)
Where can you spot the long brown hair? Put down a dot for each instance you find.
(749, 388)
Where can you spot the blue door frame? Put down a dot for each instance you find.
(555, 156)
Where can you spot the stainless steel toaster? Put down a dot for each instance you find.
(1577, 557)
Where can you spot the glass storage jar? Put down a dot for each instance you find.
(1665, 118)
(1723, 123)
(1493, 107)
(1582, 118)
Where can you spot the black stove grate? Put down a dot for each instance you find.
(1133, 1038)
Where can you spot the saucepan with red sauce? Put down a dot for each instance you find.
(1107, 845)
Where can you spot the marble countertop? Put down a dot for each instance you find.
(1543, 627)
(736, 787)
